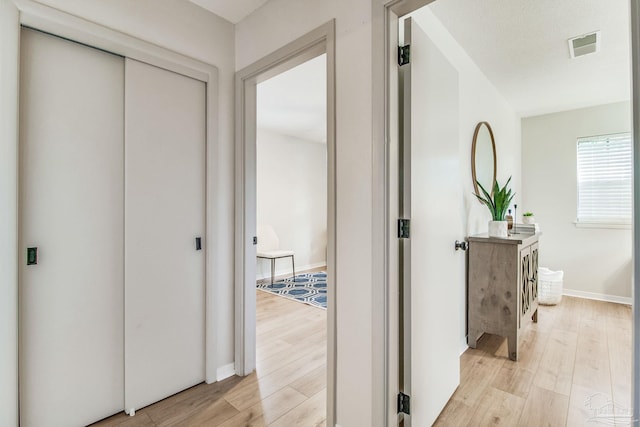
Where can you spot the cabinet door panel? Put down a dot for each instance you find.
(164, 213)
(525, 287)
(534, 272)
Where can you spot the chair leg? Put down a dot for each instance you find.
(273, 267)
(293, 267)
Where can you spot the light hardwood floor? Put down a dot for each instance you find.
(577, 350)
(287, 389)
(575, 360)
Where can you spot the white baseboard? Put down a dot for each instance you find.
(596, 296)
(225, 371)
(285, 271)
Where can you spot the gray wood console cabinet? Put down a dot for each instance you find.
(503, 287)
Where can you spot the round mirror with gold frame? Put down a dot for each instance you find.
(483, 158)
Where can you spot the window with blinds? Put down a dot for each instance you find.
(605, 174)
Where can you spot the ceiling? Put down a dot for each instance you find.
(520, 45)
(294, 102)
(231, 10)
(522, 48)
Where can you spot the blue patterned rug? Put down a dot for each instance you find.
(308, 288)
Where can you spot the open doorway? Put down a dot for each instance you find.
(280, 148)
(291, 219)
(554, 360)
(291, 176)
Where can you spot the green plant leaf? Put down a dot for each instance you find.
(487, 200)
(499, 202)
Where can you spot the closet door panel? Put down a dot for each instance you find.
(164, 214)
(71, 209)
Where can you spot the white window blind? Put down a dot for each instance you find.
(605, 173)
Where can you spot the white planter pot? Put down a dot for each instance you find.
(498, 229)
(529, 219)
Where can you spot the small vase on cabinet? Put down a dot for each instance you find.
(498, 229)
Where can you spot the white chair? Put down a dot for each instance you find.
(269, 248)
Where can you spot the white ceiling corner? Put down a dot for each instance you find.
(231, 10)
(522, 48)
(520, 45)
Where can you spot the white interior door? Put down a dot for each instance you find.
(71, 209)
(164, 215)
(432, 271)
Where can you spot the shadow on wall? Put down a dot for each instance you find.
(623, 274)
(318, 245)
(478, 215)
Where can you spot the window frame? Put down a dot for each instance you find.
(604, 222)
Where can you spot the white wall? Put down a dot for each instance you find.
(178, 26)
(479, 101)
(272, 26)
(292, 198)
(9, 34)
(596, 261)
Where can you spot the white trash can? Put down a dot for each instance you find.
(549, 286)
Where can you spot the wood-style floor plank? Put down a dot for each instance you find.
(287, 389)
(575, 361)
(267, 410)
(311, 383)
(544, 408)
(556, 366)
(514, 380)
(310, 413)
(455, 413)
(479, 369)
(619, 340)
(497, 408)
(123, 420)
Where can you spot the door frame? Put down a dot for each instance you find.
(385, 15)
(49, 20)
(319, 41)
(386, 151)
(635, 127)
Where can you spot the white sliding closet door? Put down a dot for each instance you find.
(164, 214)
(71, 209)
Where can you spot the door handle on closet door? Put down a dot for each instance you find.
(32, 255)
(198, 243)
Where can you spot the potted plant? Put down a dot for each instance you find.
(528, 218)
(498, 203)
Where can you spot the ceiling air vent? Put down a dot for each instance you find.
(584, 44)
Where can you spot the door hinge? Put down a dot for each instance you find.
(404, 54)
(404, 228)
(404, 404)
